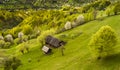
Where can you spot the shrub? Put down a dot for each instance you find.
(2, 43)
(22, 50)
(34, 35)
(21, 39)
(68, 25)
(103, 42)
(7, 64)
(27, 29)
(14, 31)
(17, 41)
(25, 38)
(46, 33)
(24, 47)
(101, 15)
(7, 45)
(11, 63)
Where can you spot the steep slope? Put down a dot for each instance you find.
(77, 55)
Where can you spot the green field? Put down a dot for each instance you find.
(77, 55)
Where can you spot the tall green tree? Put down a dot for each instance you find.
(116, 8)
(103, 42)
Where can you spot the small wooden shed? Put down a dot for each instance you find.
(46, 49)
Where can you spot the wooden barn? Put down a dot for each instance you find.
(54, 42)
(51, 42)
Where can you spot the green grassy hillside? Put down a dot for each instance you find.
(23, 33)
(77, 55)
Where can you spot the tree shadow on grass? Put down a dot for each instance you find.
(114, 57)
(108, 63)
(112, 61)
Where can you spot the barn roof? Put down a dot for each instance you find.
(54, 41)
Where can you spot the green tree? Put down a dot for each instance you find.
(103, 42)
(12, 63)
(27, 29)
(104, 4)
(116, 8)
(109, 10)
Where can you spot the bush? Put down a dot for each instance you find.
(22, 50)
(27, 29)
(103, 42)
(21, 40)
(24, 47)
(25, 38)
(41, 38)
(34, 35)
(11, 63)
(14, 31)
(2, 43)
(7, 64)
(101, 15)
(17, 41)
(7, 45)
(68, 25)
